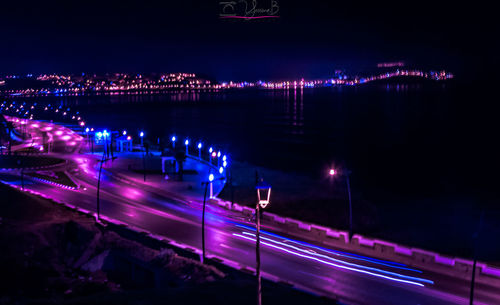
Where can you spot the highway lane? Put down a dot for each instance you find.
(228, 240)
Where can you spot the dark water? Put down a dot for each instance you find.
(405, 139)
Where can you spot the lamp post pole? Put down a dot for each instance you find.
(350, 205)
(257, 253)
(261, 202)
(99, 186)
(347, 174)
(206, 183)
(203, 225)
(476, 241)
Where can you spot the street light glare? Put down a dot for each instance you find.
(141, 134)
(124, 132)
(211, 177)
(199, 145)
(332, 172)
(173, 139)
(186, 142)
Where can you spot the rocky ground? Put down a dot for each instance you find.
(52, 255)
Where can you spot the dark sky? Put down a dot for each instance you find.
(310, 38)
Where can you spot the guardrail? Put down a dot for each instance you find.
(415, 257)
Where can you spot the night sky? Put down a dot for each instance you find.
(310, 38)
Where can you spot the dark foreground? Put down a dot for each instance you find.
(53, 255)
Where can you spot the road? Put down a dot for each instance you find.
(351, 278)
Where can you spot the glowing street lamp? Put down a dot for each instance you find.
(263, 199)
(211, 178)
(218, 158)
(199, 149)
(141, 134)
(124, 133)
(87, 130)
(187, 146)
(173, 141)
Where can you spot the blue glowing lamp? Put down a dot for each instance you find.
(186, 142)
(124, 132)
(141, 134)
(263, 193)
(173, 139)
(221, 170)
(211, 177)
(199, 145)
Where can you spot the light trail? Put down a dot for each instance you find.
(336, 252)
(332, 264)
(346, 263)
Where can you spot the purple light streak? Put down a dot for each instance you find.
(331, 264)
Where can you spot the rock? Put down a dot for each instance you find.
(96, 262)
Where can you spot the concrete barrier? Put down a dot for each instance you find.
(380, 249)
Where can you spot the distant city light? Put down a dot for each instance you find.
(124, 133)
(141, 134)
(173, 139)
(332, 172)
(211, 177)
(221, 170)
(199, 145)
(186, 142)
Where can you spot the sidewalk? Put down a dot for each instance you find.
(130, 166)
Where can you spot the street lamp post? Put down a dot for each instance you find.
(206, 183)
(141, 135)
(187, 146)
(199, 150)
(103, 159)
(475, 237)
(87, 133)
(173, 142)
(346, 173)
(263, 196)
